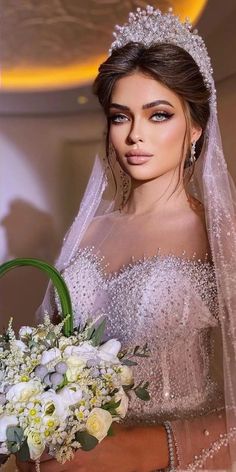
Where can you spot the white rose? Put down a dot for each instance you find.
(123, 406)
(50, 355)
(26, 331)
(36, 445)
(126, 375)
(53, 406)
(70, 395)
(84, 351)
(3, 449)
(5, 421)
(109, 350)
(75, 365)
(24, 391)
(98, 423)
(20, 345)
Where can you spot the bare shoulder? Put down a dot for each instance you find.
(98, 225)
(195, 232)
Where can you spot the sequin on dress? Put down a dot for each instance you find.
(168, 302)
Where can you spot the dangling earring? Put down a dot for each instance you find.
(193, 152)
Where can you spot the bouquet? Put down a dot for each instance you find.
(61, 387)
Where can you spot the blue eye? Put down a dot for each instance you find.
(118, 118)
(161, 116)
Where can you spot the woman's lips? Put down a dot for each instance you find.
(138, 159)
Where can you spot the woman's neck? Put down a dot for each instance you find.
(153, 196)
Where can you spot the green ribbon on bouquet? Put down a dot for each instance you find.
(58, 283)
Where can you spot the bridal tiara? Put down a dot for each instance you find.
(151, 26)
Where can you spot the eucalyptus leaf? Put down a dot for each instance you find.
(12, 447)
(128, 362)
(111, 404)
(142, 393)
(15, 434)
(98, 334)
(86, 440)
(24, 454)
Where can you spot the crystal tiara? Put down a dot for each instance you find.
(151, 26)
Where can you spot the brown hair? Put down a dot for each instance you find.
(170, 65)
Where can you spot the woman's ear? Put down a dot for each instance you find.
(196, 132)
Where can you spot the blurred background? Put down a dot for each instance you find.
(51, 126)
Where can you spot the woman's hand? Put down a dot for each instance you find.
(138, 449)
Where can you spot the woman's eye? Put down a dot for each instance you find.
(161, 116)
(118, 118)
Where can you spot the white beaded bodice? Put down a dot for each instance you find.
(168, 302)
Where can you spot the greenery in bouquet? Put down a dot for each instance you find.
(61, 393)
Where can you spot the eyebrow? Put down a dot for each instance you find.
(144, 107)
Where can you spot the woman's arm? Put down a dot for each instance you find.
(130, 449)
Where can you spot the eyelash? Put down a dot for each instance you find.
(163, 114)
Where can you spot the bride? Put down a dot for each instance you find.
(158, 255)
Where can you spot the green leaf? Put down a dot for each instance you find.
(128, 362)
(15, 434)
(12, 447)
(111, 406)
(110, 431)
(98, 334)
(23, 454)
(86, 440)
(142, 393)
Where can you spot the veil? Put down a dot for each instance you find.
(213, 186)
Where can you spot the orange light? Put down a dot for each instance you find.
(75, 75)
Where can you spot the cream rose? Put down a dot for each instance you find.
(85, 351)
(98, 423)
(24, 391)
(36, 445)
(50, 355)
(123, 406)
(70, 395)
(109, 350)
(126, 375)
(5, 421)
(75, 365)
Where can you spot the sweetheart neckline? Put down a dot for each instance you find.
(114, 275)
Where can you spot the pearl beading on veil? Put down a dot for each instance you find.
(151, 26)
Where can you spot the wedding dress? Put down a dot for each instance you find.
(181, 304)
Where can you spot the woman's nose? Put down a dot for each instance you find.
(135, 135)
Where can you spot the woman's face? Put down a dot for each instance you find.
(147, 126)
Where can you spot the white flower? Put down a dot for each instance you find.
(26, 331)
(3, 448)
(50, 355)
(20, 345)
(123, 407)
(98, 423)
(85, 351)
(70, 395)
(126, 375)
(24, 391)
(36, 445)
(5, 421)
(75, 365)
(109, 350)
(53, 406)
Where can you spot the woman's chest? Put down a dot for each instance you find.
(161, 297)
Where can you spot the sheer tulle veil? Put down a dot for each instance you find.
(213, 186)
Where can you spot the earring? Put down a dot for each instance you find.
(193, 152)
